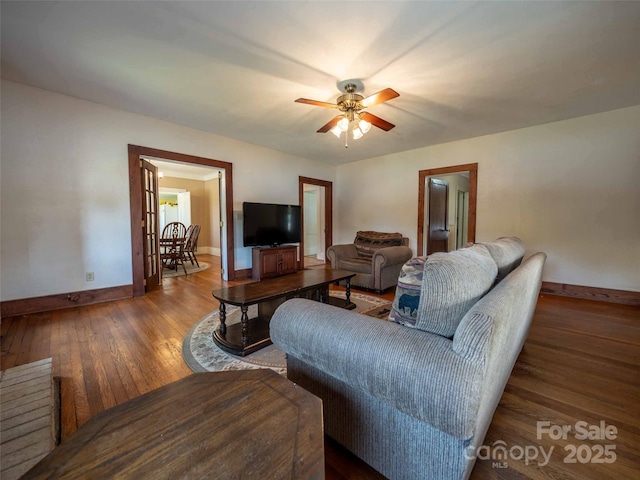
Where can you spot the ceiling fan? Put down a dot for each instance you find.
(353, 118)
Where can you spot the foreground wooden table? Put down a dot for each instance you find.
(236, 424)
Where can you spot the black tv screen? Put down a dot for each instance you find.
(268, 224)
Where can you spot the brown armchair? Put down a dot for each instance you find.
(375, 257)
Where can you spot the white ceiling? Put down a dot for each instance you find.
(462, 69)
(184, 170)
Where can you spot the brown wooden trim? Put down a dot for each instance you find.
(472, 168)
(473, 199)
(242, 274)
(135, 202)
(328, 212)
(624, 297)
(229, 221)
(25, 306)
(137, 257)
(467, 167)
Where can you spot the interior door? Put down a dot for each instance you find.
(462, 218)
(311, 222)
(438, 231)
(184, 208)
(150, 225)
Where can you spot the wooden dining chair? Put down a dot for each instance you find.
(191, 244)
(172, 245)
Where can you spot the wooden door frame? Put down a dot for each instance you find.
(328, 212)
(472, 168)
(135, 201)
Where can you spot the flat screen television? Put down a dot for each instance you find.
(270, 224)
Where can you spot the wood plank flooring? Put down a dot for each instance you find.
(581, 362)
(28, 421)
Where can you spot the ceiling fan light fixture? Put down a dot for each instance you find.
(343, 124)
(357, 133)
(336, 131)
(364, 126)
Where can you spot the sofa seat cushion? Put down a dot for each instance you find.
(367, 242)
(407, 299)
(355, 264)
(452, 283)
(413, 371)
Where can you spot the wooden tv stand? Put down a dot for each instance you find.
(269, 262)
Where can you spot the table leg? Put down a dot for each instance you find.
(223, 318)
(348, 293)
(245, 325)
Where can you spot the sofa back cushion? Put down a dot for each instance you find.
(507, 252)
(451, 284)
(367, 242)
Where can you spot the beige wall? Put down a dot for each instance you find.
(567, 188)
(65, 187)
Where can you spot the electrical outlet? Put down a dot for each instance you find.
(89, 276)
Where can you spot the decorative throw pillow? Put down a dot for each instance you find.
(405, 304)
(451, 284)
(368, 242)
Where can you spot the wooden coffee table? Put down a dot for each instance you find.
(236, 424)
(252, 334)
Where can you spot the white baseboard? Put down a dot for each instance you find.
(209, 250)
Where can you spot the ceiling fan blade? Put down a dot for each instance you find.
(381, 96)
(377, 121)
(329, 125)
(316, 103)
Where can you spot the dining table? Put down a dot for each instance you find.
(171, 251)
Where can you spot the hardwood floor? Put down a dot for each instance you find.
(581, 362)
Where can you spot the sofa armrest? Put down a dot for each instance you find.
(391, 256)
(387, 264)
(416, 372)
(338, 252)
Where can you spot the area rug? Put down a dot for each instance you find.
(170, 273)
(201, 354)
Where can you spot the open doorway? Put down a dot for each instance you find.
(446, 208)
(190, 194)
(142, 241)
(317, 217)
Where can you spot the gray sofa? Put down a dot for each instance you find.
(375, 257)
(411, 403)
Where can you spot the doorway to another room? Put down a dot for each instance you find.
(205, 206)
(317, 217)
(446, 208)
